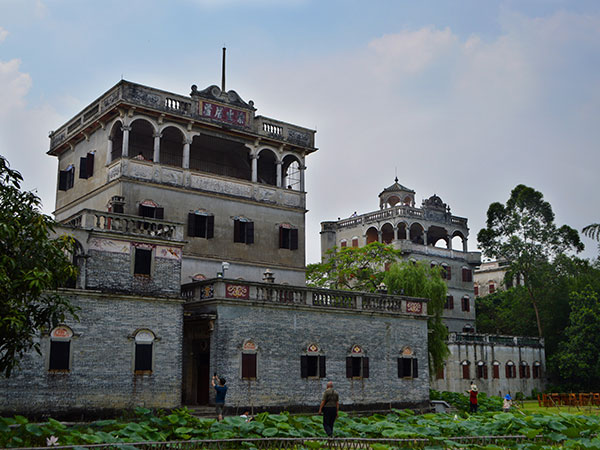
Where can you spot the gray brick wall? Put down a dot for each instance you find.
(282, 334)
(113, 272)
(101, 377)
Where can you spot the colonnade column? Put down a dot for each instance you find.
(379, 236)
(302, 169)
(254, 168)
(278, 168)
(125, 149)
(449, 243)
(186, 153)
(424, 237)
(407, 233)
(156, 156)
(109, 150)
(465, 247)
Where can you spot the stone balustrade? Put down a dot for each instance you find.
(511, 341)
(219, 288)
(120, 223)
(402, 211)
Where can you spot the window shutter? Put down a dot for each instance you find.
(62, 180)
(281, 237)
(210, 227)
(59, 355)
(466, 372)
(236, 231)
(451, 302)
(322, 371)
(485, 372)
(83, 167)
(349, 367)
(89, 164)
(159, 213)
(248, 365)
(448, 273)
(507, 370)
(304, 366)
(406, 367)
(415, 368)
(399, 367)
(141, 210)
(365, 367)
(71, 178)
(143, 356)
(191, 224)
(294, 239)
(249, 232)
(496, 371)
(528, 374)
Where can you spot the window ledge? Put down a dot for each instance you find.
(142, 372)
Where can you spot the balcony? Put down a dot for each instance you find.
(490, 339)
(123, 224)
(199, 292)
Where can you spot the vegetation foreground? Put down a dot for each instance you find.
(562, 429)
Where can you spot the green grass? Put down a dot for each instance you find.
(532, 407)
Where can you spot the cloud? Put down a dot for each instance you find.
(3, 34)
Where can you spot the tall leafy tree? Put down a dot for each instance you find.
(420, 280)
(523, 233)
(32, 267)
(353, 268)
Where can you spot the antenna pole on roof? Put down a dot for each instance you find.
(223, 72)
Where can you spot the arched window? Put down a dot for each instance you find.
(357, 363)
(408, 364)
(387, 233)
(267, 167)
(492, 287)
(343, 243)
(249, 351)
(468, 328)
(291, 173)
(537, 369)
(372, 235)
(524, 370)
(312, 363)
(141, 140)
(401, 233)
(466, 370)
(495, 370)
(144, 350)
(510, 369)
(466, 303)
(476, 290)
(59, 359)
(116, 136)
(355, 241)
(482, 370)
(171, 147)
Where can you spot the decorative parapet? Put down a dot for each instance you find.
(219, 288)
(402, 211)
(491, 339)
(123, 224)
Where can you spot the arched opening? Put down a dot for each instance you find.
(291, 173)
(401, 230)
(416, 233)
(437, 237)
(387, 233)
(267, 167)
(171, 147)
(372, 235)
(408, 201)
(141, 140)
(457, 241)
(220, 156)
(117, 140)
(393, 200)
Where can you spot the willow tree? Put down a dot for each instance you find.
(420, 280)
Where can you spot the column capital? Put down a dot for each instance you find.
(126, 127)
(187, 141)
(157, 134)
(278, 162)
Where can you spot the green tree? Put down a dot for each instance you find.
(592, 231)
(353, 268)
(32, 267)
(420, 280)
(523, 233)
(577, 359)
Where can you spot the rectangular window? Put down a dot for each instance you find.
(492, 288)
(449, 302)
(59, 355)
(201, 225)
(288, 238)
(143, 357)
(496, 371)
(66, 179)
(357, 367)
(243, 231)
(312, 366)
(476, 290)
(467, 275)
(143, 261)
(439, 374)
(355, 242)
(86, 166)
(343, 244)
(466, 304)
(151, 212)
(249, 366)
(408, 368)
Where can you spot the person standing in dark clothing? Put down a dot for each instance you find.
(221, 390)
(473, 398)
(330, 406)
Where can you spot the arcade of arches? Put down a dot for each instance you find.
(434, 236)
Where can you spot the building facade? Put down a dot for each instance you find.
(429, 233)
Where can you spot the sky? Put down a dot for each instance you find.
(464, 99)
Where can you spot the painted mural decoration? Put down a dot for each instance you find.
(207, 291)
(356, 350)
(223, 113)
(414, 307)
(237, 291)
(62, 332)
(313, 348)
(109, 245)
(168, 253)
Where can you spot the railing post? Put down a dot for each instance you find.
(309, 298)
(219, 289)
(359, 301)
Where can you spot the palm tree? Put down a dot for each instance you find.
(592, 231)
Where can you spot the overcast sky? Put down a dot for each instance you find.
(464, 99)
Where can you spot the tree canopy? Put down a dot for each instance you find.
(32, 266)
(523, 233)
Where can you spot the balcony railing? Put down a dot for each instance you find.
(511, 341)
(121, 223)
(219, 288)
